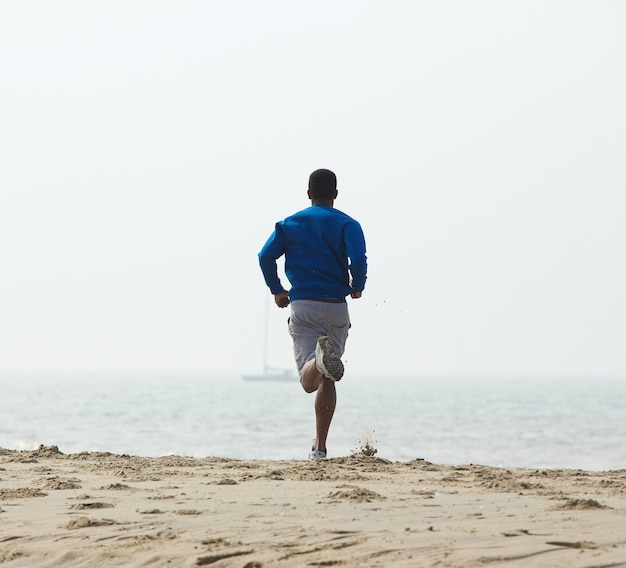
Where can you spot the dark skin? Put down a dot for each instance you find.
(312, 380)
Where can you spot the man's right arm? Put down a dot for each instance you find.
(355, 248)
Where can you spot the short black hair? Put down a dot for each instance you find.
(323, 184)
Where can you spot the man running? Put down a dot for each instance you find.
(325, 261)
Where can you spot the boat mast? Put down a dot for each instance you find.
(265, 337)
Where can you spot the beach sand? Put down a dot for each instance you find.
(100, 509)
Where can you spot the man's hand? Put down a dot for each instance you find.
(356, 295)
(282, 299)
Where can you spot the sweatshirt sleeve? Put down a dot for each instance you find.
(270, 253)
(355, 248)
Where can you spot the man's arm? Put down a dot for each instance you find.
(355, 248)
(281, 299)
(270, 253)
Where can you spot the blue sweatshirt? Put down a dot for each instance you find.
(324, 254)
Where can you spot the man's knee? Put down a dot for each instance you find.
(309, 386)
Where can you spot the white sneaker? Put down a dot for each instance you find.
(317, 455)
(326, 361)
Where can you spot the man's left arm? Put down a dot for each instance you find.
(270, 253)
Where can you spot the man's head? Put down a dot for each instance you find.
(322, 186)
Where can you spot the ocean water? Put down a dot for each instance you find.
(560, 423)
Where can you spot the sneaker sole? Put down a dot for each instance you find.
(330, 365)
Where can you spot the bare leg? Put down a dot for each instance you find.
(310, 377)
(325, 400)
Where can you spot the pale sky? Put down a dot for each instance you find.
(148, 147)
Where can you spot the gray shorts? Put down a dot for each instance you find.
(310, 320)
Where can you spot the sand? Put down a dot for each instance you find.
(100, 509)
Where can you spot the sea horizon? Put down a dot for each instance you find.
(553, 423)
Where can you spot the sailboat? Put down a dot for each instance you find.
(270, 373)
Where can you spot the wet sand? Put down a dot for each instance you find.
(100, 509)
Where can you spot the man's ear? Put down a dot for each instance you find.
(308, 193)
(336, 194)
